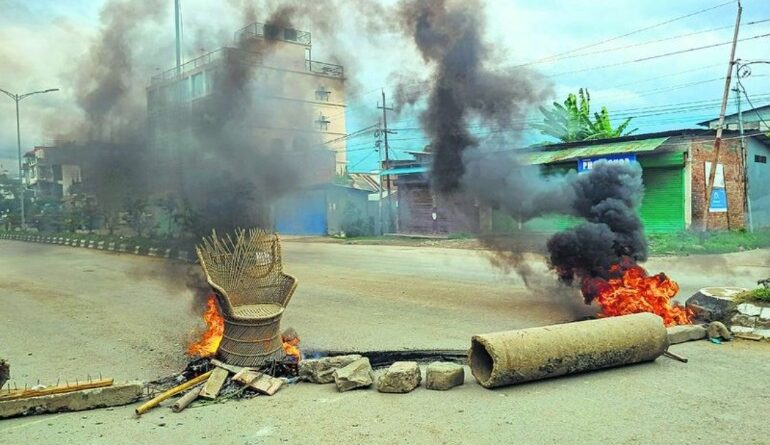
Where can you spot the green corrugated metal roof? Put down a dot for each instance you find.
(591, 151)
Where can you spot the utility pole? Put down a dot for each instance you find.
(378, 147)
(178, 25)
(718, 138)
(18, 98)
(385, 132)
(744, 160)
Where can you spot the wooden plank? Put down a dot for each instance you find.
(262, 383)
(232, 368)
(59, 389)
(214, 383)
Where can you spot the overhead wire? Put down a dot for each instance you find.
(636, 31)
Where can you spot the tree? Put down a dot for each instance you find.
(573, 121)
(137, 215)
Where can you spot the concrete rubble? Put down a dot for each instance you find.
(400, 377)
(714, 303)
(442, 376)
(357, 374)
(73, 401)
(684, 333)
(718, 330)
(752, 318)
(322, 370)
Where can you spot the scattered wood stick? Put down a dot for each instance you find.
(676, 357)
(152, 403)
(186, 399)
(58, 389)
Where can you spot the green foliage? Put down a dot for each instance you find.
(460, 235)
(573, 121)
(761, 295)
(688, 242)
(137, 216)
(353, 222)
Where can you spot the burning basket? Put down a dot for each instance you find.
(246, 275)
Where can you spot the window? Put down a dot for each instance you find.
(57, 172)
(760, 159)
(198, 85)
(321, 93)
(322, 122)
(290, 34)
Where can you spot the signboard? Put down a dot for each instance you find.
(718, 201)
(587, 164)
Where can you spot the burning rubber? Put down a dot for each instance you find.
(511, 357)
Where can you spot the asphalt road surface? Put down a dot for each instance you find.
(68, 312)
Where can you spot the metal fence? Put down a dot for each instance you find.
(272, 32)
(327, 69)
(206, 59)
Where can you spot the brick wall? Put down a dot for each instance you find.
(730, 157)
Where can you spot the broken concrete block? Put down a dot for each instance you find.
(444, 375)
(73, 401)
(322, 370)
(717, 329)
(357, 374)
(683, 333)
(400, 377)
(749, 309)
(714, 303)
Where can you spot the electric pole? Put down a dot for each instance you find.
(744, 160)
(178, 26)
(385, 132)
(718, 138)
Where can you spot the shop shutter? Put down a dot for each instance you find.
(662, 208)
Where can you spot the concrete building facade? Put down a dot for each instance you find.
(298, 102)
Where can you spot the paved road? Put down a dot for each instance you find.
(70, 312)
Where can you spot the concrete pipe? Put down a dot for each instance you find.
(507, 358)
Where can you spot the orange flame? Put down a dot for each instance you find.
(290, 341)
(215, 326)
(633, 291)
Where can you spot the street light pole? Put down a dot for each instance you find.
(18, 98)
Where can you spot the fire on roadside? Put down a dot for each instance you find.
(290, 341)
(631, 290)
(209, 341)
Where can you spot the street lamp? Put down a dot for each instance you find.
(18, 98)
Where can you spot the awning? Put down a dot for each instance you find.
(593, 151)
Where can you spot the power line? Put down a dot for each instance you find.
(650, 42)
(658, 56)
(637, 31)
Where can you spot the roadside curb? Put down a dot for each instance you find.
(157, 251)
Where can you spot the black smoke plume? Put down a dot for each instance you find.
(466, 85)
(607, 198)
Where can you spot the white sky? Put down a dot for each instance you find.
(43, 39)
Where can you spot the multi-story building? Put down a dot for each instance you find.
(50, 172)
(296, 103)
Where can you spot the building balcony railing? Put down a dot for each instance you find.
(272, 32)
(327, 69)
(207, 59)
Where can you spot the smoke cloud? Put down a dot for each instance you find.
(469, 87)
